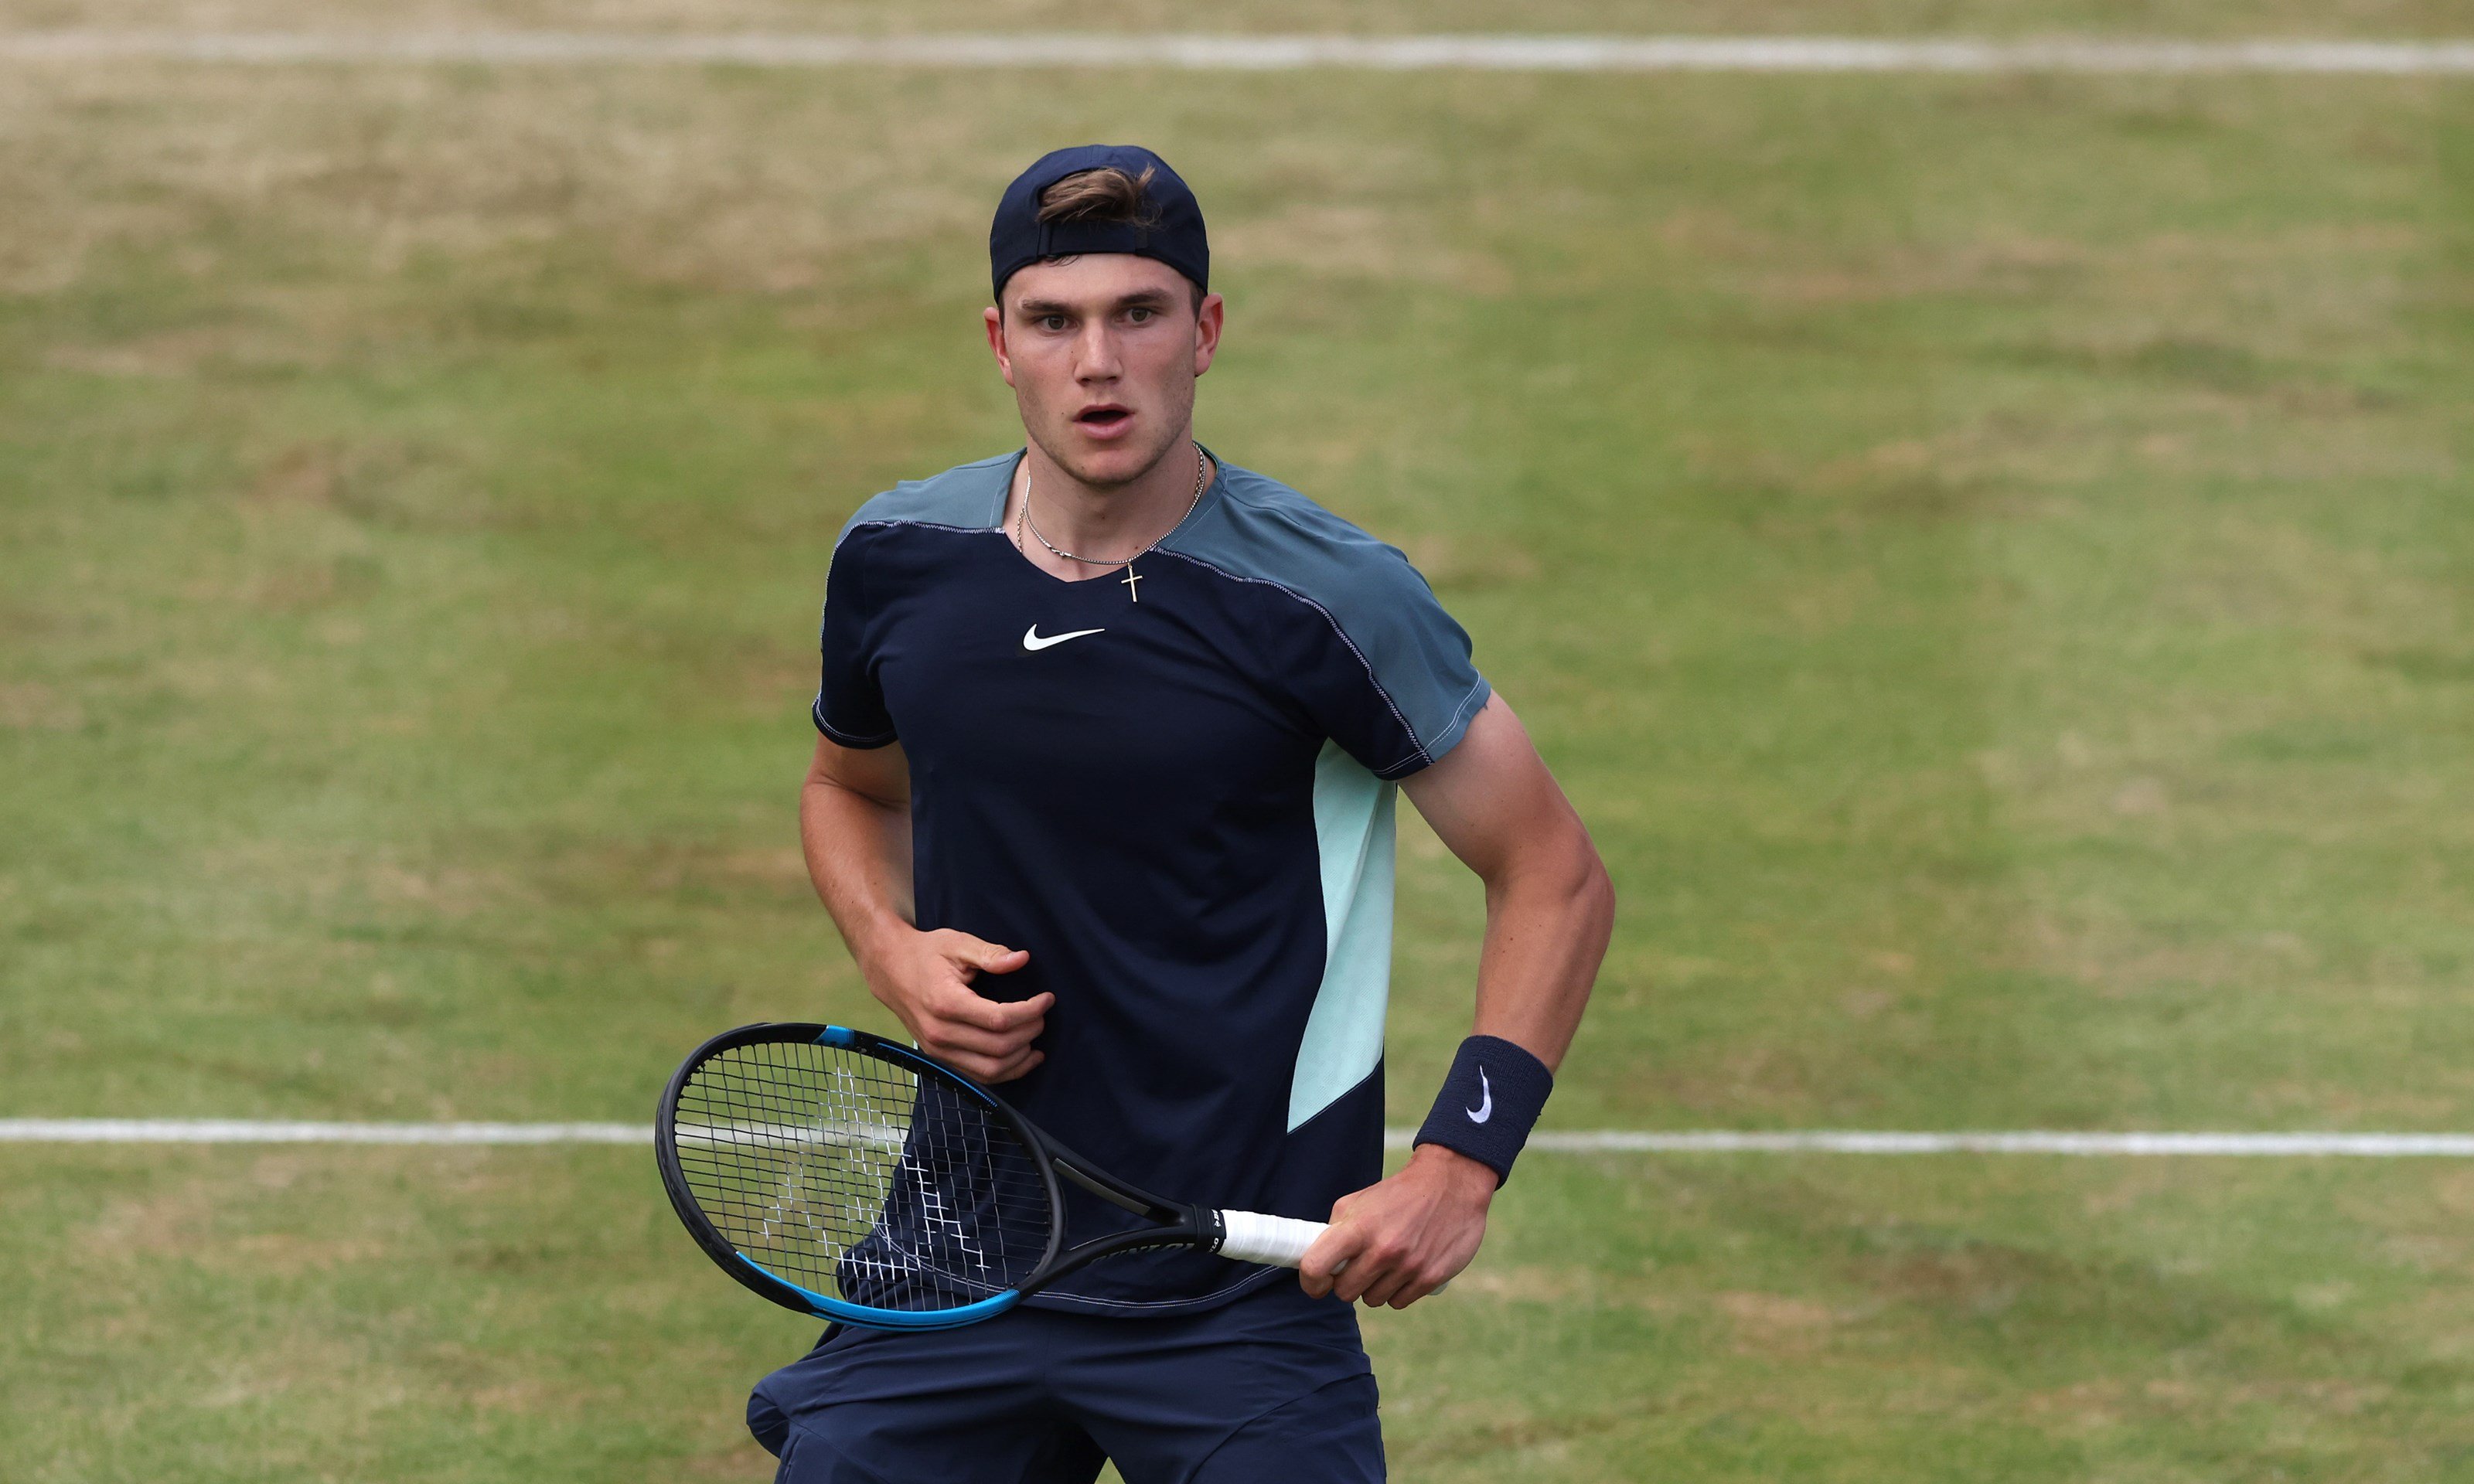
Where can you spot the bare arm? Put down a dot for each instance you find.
(855, 826)
(1549, 912)
(1549, 905)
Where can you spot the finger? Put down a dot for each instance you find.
(1381, 1283)
(1374, 1264)
(1402, 1288)
(968, 1006)
(1331, 1252)
(983, 1058)
(985, 1017)
(948, 1039)
(980, 954)
(992, 1069)
(1016, 1067)
(1351, 1283)
(1412, 1278)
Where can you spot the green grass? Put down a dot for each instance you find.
(1989, 556)
(233, 1315)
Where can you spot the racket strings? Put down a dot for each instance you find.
(854, 1177)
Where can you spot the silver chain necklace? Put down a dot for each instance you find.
(1022, 521)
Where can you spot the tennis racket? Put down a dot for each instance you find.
(850, 1177)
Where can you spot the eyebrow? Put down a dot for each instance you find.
(1140, 298)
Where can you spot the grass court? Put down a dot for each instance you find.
(1990, 557)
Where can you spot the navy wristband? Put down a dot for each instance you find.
(1489, 1103)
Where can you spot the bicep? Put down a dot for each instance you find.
(1492, 797)
(879, 775)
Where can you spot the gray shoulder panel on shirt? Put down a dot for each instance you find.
(967, 497)
(1261, 530)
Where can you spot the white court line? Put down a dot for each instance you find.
(2028, 1142)
(253, 1131)
(245, 1131)
(1259, 53)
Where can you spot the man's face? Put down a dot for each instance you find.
(1101, 350)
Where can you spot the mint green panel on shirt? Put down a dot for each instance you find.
(1355, 831)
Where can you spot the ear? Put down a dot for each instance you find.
(1206, 331)
(993, 319)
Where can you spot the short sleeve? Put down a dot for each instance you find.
(850, 705)
(1398, 690)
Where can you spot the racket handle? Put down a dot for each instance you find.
(1280, 1241)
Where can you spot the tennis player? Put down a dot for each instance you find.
(1103, 803)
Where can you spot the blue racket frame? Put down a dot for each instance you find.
(795, 1296)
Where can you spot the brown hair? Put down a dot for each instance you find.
(1106, 194)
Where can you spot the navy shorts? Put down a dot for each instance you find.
(1273, 1385)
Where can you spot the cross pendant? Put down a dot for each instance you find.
(1131, 580)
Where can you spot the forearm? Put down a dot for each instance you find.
(1549, 918)
(855, 826)
(859, 857)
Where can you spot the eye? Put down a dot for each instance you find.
(1051, 322)
(1140, 315)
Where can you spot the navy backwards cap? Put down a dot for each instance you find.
(1172, 230)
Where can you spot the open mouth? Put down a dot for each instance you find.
(1106, 417)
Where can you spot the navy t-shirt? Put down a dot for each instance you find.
(1181, 806)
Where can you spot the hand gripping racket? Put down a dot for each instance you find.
(849, 1177)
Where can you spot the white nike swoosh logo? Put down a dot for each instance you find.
(1032, 643)
(1485, 1108)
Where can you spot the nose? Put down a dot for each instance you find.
(1096, 356)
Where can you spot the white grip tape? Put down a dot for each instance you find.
(1282, 1241)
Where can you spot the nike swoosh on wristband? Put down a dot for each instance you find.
(1032, 643)
(1485, 1108)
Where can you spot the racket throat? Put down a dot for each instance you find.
(1118, 1193)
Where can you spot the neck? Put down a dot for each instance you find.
(1110, 521)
